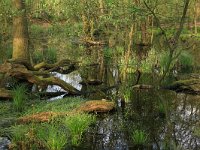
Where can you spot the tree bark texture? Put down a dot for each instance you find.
(20, 31)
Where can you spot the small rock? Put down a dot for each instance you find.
(4, 142)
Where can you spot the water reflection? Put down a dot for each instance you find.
(169, 119)
(73, 79)
(175, 130)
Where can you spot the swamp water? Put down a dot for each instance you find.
(165, 119)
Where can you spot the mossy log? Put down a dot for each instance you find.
(63, 66)
(191, 86)
(20, 71)
(96, 106)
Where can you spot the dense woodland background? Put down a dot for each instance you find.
(125, 27)
(139, 58)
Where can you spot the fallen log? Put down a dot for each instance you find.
(56, 66)
(5, 94)
(21, 72)
(190, 86)
(142, 86)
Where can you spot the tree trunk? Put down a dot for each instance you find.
(20, 32)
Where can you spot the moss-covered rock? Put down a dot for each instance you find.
(191, 86)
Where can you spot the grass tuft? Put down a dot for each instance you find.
(52, 136)
(139, 137)
(77, 124)
(19, 97)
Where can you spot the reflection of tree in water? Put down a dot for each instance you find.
(185, 118)
(174, 131)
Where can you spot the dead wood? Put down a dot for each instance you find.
(19, 71)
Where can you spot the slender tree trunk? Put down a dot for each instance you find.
(128, 52)
(20, 32)
(195, 17)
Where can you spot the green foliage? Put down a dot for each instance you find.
(77, 124)
(51, 55)
(19, 135)
(186, 61)
(161, 108)
(52, 136)
(127, 94)
(108, 53)
(164, 60)
(139, 137)
(37, 57)
(19, 97)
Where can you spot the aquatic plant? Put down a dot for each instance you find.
(139, 137)
(77, 124)
(52, 136)
(19, 97)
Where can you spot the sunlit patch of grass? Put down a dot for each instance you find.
(19, 97)
(61, 105)
(139, 137)
(77, 124)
